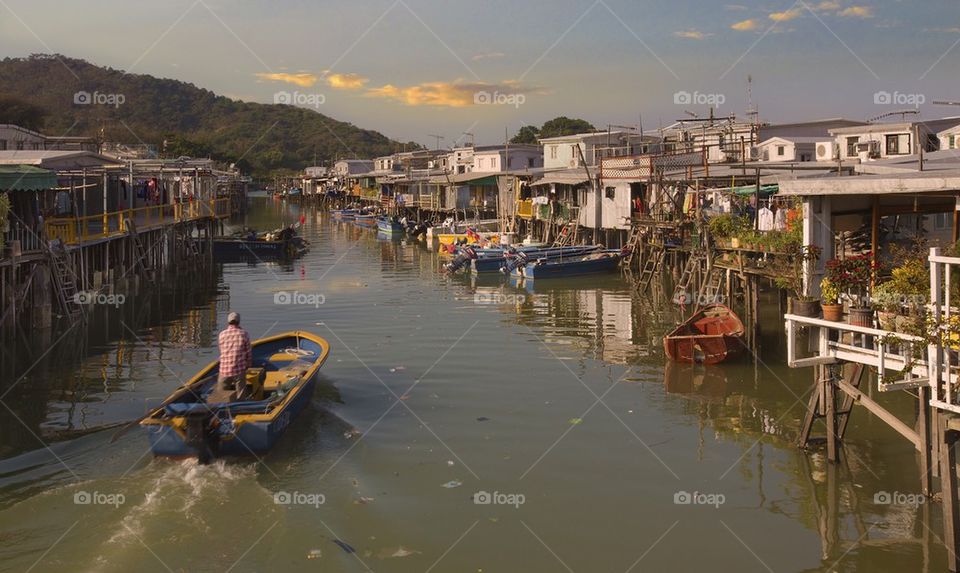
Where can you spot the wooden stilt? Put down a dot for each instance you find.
(923, 430)
(830, 413)
(948, 488)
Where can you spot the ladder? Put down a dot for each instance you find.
(633, 242)
(711, 290)
(652, 265)
(681, 292)
(139, 253)
(64, 280)
(569, 232)
(818, 409)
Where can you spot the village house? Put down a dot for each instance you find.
(950, 138)
(883, 140)
(788, 149)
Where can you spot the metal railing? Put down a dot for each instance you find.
(76, 230)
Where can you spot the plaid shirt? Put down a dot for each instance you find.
(236, 355)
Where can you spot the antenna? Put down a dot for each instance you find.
(943, 102)
(903, 113)
(472, 138)
(751, 109)
(438, 137)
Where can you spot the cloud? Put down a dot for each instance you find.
(745, 25)
(857, 12)
(304, 80)
(487, 56)
(691, 34)
(786, 16)
(446, 94)
(735, 7)
(826, 6)
(346, 81)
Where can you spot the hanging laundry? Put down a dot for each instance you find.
(765, 219)
(780, 220)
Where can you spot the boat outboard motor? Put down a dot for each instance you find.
(202, 435)
(514, 261)
(418, 230)
(467, 255)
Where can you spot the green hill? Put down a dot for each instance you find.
(40, 91)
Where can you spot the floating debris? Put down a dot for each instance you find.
(349, 434)
(315, 554)
(398, 552)
(575, 421)
(346, 547)
(452, 484)
(450, 462)
(363, 500)
(483, 419)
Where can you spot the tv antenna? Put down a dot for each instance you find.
(438, 137)
(903, 113)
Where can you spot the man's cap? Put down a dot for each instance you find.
(233, 317)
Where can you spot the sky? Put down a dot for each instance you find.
(416, 68)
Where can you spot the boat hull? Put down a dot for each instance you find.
(492, 263)
(558, 268)
(242, 249)
(711, 336)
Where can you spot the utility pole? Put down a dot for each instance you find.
(439, 139)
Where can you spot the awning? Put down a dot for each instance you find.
(26, 178)
(565, 177)
(747, 190)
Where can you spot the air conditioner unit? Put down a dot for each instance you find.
(827, 151)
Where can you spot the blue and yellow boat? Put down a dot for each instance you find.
(204, 421)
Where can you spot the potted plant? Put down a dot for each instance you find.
(852, 276)
(830, 303)
(791, 278)
(887, 301)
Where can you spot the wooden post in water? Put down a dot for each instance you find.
(948, 488)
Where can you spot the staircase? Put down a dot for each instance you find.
(634, 242)
(568, 233)
(64, 281)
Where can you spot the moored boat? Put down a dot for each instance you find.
(493, 261)
(201, 420)
(345, 214)
(389, 226)
(281, 244)
(713, 334)
(369, 221)
(559, 267)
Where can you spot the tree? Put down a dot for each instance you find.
(528, 134)
(565, 126)
(19, 112)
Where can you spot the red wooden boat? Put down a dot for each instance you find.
(710, 336)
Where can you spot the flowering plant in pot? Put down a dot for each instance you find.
(830, 303)
(796, 258)
(852, 277)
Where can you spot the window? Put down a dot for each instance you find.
(852, 146)
(553, 152)
(953, 142)
(781, 150)
(893, 145)
(531, 162)
(610, 192)
(480, 163)
(3, 144)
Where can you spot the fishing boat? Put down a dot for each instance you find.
(204, 421)
(470, 237)
(345, 214)
(369, 221)
(604, 261)
(389, 226)
(280, 244)
(713, 334)
(492, 261)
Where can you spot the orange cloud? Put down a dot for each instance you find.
(346, 81)
(857, 12)
(691, 34)
(449, 94)
(786, 16)
(745, 25)
(303, 80)
(827, 6)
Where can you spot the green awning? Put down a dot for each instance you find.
(26, 178)
(746, 191)
(490, 180)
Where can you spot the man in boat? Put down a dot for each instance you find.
(236, 355)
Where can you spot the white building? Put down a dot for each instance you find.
(570, 151)
(494, 159)
(950, 138)
(788, 149)
(347, 167)
(16, 138)
(885, 140)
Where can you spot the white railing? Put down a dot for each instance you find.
(884, 350)
(943, 360)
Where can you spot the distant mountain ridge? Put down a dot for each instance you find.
(76, 97)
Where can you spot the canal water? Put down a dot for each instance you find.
(458, 426)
